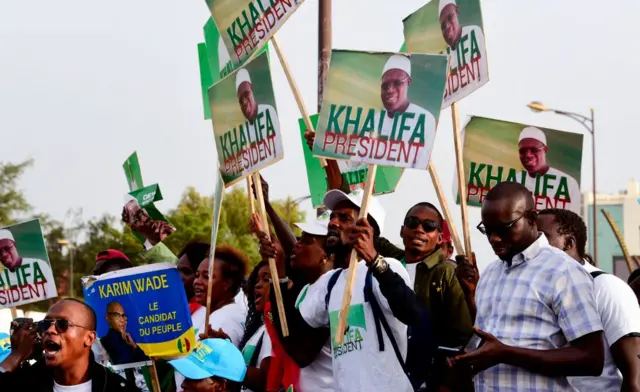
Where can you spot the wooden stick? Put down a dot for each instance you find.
(296, 91)
(623, 245)
(252, 200)
(153, 372)
(214, 236)
(445, 209)
(14, 313)
(272, 263)
(353, 262)
(462, 183)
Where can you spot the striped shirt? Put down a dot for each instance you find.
(543, 301)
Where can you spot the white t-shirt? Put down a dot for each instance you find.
(250, 348)
(241, 300)
(542, 202)
(86, 387)
(620, 316)
(411, 270)
(318, 376)
(359, 365)
(230, 318)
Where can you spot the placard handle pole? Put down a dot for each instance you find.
(296, 91)
(252, 200)
(272, 263)
(462, 184)
(353, 262)
(445, 209)
(155, 382)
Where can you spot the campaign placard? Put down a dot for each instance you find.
(142, 312)
(245, 121)
(26, 275)
(205, 78)
(142, 216)
(453, 27)
(387, 178)
(546, 161)
(380, 108)
(132, 171)
(246, 25)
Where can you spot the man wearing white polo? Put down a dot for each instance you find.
(547, 184)
(467, 54)
(23, 279)
(394, 94)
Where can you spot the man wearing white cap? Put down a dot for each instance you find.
(27, 280)
(394, 94)
(248, 105)
(467, 53)
(359, 364)
(551, 188)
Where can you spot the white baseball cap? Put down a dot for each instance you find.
(444, 3)
(533, 133)
(241, 77)
(398, 61)
(318, 226)
(335, 196)
(6, 235)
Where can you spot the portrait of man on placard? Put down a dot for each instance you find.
(141, 223)
(118, 342)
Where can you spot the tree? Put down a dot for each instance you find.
(12, 200)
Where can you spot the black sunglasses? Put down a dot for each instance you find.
(499, 230)
(61, 325)
(412, 222)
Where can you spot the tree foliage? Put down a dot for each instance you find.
(12, 199)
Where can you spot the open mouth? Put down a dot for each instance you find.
(51, 348)
(258, 296)
(199, 291)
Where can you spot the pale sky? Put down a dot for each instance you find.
(83, 84)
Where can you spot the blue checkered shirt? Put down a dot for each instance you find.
(543, 301)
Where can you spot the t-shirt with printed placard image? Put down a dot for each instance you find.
(358, 364)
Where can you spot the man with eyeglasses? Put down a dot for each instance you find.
(118, 342)
(67, 332)
(434, 281)
(542, 180)
(394, 94)
(536, 304)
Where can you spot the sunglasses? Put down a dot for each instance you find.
(61, 325)
(411, 222)
(121, 315)
(499, 230)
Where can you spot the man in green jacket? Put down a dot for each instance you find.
(435, 283)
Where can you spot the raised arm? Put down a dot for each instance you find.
(334, 176)
(283, 232)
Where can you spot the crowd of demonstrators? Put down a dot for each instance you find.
(615, 302)
(547, 319)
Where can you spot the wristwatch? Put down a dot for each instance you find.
(379, 265)
(283, 280)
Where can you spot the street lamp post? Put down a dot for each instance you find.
(590, 126)
(65, 243)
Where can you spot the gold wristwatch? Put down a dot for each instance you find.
(380, 265)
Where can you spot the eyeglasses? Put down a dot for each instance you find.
(121, 315)
(61, 325)
(412, 222)
(499, 230)
(533, 150)
(395, 83)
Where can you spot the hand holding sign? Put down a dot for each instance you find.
(361, 237)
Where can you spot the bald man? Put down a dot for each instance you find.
(467, 53)
(551, 187)
(118, 342)
(536, 308)
(67, 331)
